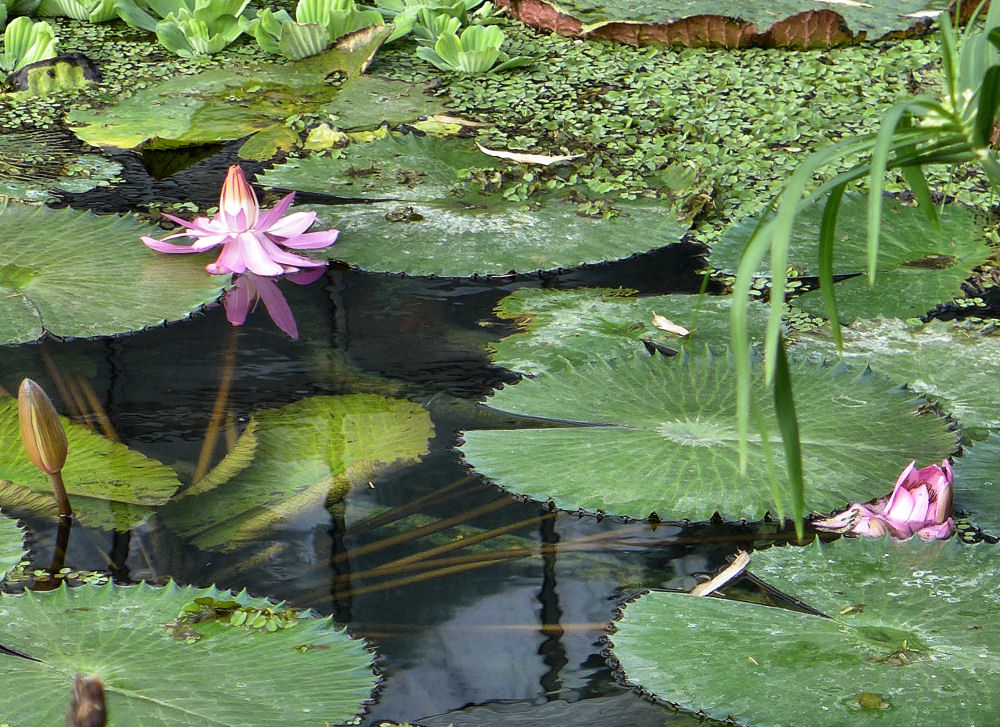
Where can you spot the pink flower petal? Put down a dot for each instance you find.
(270, 217)
(240, 299)
(310, 240)
(937, 532)
(900, 506)
(277, 306)
(307, 276)
(170, 247)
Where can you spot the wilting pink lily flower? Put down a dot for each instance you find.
(249, 288)
(919, 504)
(251, 240)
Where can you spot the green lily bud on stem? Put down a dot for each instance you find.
(44, 438)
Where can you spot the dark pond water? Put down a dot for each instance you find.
(504, 631)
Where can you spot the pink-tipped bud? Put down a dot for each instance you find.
(87, 708)
(238, 202)
(41, 431)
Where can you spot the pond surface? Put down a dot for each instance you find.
(484, 609)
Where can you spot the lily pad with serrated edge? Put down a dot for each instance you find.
(792, 23)
(159, 673)
(953, 364)
(561, 327)
(649, 435)
(977, 484)
(294, 459)
(77, 274)
(912, 638)
(439, 222)
(917, 266)
(109, 485)
(36, 166)
(12, 550)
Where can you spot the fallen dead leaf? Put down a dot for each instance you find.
(527, 158)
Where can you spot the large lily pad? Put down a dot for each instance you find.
(729, 23)
(296, 459)
(78, 274)
(227, 104)
(109, 485)
(159, 671)
(911, 637)
(918, 267)
(649, 435)
(977, 484)
(12, 549)
(564, 327)
(952, 364)
(440, 222)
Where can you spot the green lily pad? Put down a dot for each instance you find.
(224, 104)
(297, 458)
(952, 364)
(729, 23)
(160, 670)
(109, 485)
(977, 484)
(569, 327)
(12, 550)
(406, 167)
(911, 638)
(78, 274)
(367, 101)
(648, 435)
(36, 166)
(917, 267)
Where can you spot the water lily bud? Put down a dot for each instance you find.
(41, 431)
(87, 708)
(238, 201)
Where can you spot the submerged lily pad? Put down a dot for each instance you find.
(38, 165)
(648, 435)
(12, 549)
(730, 23)
(227, 104)
(160, 670)
(569, 327)
(439, 221)
(977, 484)
(912, 638)
(109, 485)
(952, 364)
(918, 267)
(77, 274)
(296, 459)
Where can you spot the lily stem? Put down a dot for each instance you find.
(59, 490)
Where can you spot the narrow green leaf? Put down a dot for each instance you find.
(989, 100)
(784, 409)
(828, 228)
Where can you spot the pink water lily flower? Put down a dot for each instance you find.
(919, 504)
(251, 240)
(249, 288)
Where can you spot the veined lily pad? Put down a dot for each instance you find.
(161, 670)
(794, 23)
(911, 638)
(109, 485)
(297, 458)
(569, 327)
(649, 435)
(977, 484)
(223, 104)
(440, 223)
(952, 364)
(78, 274)
(12, 549)
(917, 266)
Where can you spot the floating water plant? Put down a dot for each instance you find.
(26, 42)
(188, 27)
(316, 25)
(94, 11)
(475, 51)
